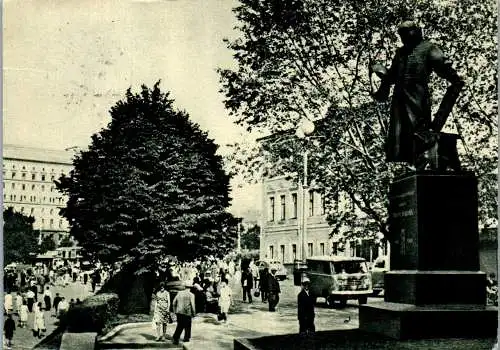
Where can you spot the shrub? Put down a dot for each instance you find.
(93, 314)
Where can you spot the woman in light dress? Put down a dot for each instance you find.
(23, 314)
(39, 322)
(161, 312)
(225, 299)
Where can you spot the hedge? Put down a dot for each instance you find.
(93, 314)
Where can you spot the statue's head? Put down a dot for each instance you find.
(410, 33)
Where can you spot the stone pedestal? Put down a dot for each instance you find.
(434, 288)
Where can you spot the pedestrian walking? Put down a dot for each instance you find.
(9, 327)
(274, 290)
(47, 298)
(63, 307)
(247, 284)
(225, 301)
(23, 314)
(8, 304)
(161, 312)
(19, 302)
(30, 296)
(305, 309)
(264, 284)
(55, 304)
(184, 308)
(39, 322)
(255, 272)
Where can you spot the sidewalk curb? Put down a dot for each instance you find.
(120, 328)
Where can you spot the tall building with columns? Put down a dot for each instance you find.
(28, 186)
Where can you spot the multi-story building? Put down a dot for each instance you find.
(285, 206)
(28, 186)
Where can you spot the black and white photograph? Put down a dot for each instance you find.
(250, 174)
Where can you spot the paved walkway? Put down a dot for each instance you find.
(208, 333)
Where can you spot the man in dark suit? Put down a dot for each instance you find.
(273, 289)
(247, 284)
(305, 306)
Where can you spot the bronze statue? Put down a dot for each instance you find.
(413, 137)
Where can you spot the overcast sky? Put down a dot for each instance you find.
(65, 63)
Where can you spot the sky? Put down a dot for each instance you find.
(65, 63)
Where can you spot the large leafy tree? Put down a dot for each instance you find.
(20, 240)
(309, 59)
(149, 186)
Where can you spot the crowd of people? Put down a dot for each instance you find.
(31, 291)
(205, 287)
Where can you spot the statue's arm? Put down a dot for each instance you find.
(444, 69)
(387, 79)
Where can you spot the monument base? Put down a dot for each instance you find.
(407, 321)
(435, 287)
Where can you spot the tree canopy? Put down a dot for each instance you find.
(19, 238)
(47, 244)
(150, 185)
(309, 59)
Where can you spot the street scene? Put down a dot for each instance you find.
(240, 174)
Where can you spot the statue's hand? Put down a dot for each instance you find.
(379, 70)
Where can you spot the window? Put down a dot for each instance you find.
(43, 177)
(322, 248)
(33, 176)
(32, 187)
(32, 210)
(22, 209)
(294, 251)
(14, 197)
(51, 211)
(13, 174)
(24, 187)
(43, 187)
(43, 221)
(310, 249)
(13, 185)
(51, 222)
(271, 252)
(271, 209)
(23, 175)
(294, 203)
(282, 253)
(283, 208)
(34, 198)
(311, 203)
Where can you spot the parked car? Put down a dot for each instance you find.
(380, 267)
(281, 272)
(339, 278)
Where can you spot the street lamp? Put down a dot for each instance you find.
(305, 128)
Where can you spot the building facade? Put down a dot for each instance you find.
(285, 207)
(28, 186)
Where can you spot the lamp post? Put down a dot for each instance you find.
(306, 128)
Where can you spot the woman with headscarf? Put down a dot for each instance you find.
(225, 300)
(39, 321)
(161, 312)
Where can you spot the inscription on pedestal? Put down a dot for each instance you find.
(403, 226)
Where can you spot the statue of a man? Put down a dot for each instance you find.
(413, 136)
